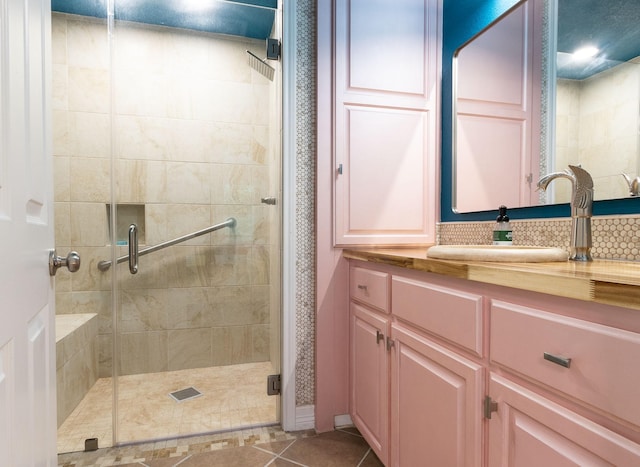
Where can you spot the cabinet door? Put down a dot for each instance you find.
(386, 131)
(531, 431)
(435, 404)
(370, 378)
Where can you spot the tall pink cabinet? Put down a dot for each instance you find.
(450, 372)
(387, 70)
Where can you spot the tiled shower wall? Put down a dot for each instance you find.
(192, 141)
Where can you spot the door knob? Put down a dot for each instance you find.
(72, 262)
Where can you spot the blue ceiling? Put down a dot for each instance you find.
(612, 25)
(245, 18)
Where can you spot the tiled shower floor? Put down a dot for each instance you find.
(232, 397)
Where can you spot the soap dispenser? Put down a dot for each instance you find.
(502, 234)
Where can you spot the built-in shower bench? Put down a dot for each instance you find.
(76, 359)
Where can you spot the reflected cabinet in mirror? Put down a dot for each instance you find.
(550, 83)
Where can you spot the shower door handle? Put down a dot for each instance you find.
(133, 249)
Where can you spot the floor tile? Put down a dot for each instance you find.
(244, 456)
(332, 449)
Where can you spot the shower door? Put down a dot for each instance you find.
(196, 144)
(175, 128)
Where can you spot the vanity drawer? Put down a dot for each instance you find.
(449, 313)
(593, 363)
(370, 287)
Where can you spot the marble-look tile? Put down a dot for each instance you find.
(91, 180)
(59, 90)
(90, 134)
(62, 145)
(62, 220)
(58, 38)
(89, 277)
(143, 310)
(188, 348)
(88, 224)
(141, 137)
(88, 90)
(188, 183)
(193, 308)
(139, 93)
(183, 219)
(187, 266)
(98, 302)
(140, 48)
(230, 265)
(143, 352)
(87, 43)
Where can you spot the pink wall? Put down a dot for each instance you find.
(332, 317)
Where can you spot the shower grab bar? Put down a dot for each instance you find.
(231, 223)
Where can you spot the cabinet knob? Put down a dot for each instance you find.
(362, 287)
(379, 336)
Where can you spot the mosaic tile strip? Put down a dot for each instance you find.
(178, 447)
(613, 237)
(305, 200)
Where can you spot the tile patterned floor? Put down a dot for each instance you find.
(268, 446)
(232, 397)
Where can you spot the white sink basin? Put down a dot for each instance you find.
(498, 253)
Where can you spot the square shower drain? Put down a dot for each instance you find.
(185, 394)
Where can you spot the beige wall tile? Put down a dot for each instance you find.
(62, 215)
(87, 43)
(59, 38)
(60, 87)
(62, 144)
(189, 348)
(88, 90)
(143, 352)
(142, 310)
(91, 180)
(89, 224)
(98, 302)
(188, 183)
(141, 137)
(193, 307)
(90, 134)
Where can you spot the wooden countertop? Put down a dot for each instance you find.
(603, 281)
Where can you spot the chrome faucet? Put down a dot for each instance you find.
(634, 185)
(581, 209)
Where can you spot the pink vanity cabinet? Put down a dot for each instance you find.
(451, 372)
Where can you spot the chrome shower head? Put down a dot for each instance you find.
(261, 66)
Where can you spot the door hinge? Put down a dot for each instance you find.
(490, 406)
(273, 385)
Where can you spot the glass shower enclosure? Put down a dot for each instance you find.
(169, 116)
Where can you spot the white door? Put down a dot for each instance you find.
(27, 327)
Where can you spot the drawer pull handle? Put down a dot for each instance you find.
(379, 337)
(562, 361)
(362, 287)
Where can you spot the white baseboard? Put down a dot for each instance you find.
(305, 417)
(342, 420)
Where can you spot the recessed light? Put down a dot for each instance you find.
(585, 53)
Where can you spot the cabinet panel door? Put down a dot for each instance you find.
(384, 191)
(435, 404)
(530, 431)
(370, 378)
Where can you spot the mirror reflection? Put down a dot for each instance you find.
(522, 112)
